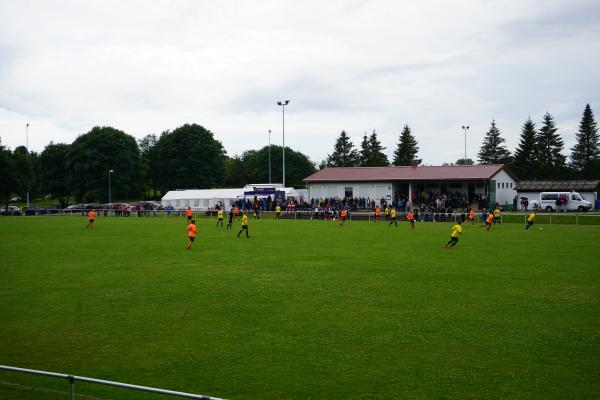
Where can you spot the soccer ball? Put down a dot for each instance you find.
(541, 229)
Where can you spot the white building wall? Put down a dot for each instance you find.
(371, 190)
(505, 187)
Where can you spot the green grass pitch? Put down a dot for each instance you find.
(301, 310)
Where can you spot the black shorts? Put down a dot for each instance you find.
(412, 221)
(488, 223)
(220, 218)
(189, 217)
(530, 222)
(245, 227)
(192, 238)
(453, 239)
(91, 220)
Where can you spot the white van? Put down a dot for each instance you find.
(574, 202)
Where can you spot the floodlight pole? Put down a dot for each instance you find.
(465, 128)
(27, 155)
(283, 104)
(269, 156)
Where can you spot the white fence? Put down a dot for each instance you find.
(74, 378)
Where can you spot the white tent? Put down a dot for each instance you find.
(203, 199)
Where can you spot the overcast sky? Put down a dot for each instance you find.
(148, 66)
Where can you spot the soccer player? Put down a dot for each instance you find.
(472, 216)
(456, 230)
(377, 213)
(343, 216)
(191, 229)
(530, 220)
(393, 217)
(91, 216)
(189, 213)
(236, 212)
(411, 218)
(244, 225)
(220, 217)
(488, 221)
(497, 219)
(231, 216)
(387, 213)
(277, 211)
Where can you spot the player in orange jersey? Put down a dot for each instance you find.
(488, 221)
(91, 217)
(411, 219)
(472, 216)
(191, 229)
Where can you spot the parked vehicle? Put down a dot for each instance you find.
(47, 210)
(74, 208)
(29, 211)
(10, 210)
(563, 201)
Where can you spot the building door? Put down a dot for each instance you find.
(348, 192)
(443, 188)
(471, 191)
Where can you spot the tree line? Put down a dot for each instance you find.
(539, 154)
(189, 157)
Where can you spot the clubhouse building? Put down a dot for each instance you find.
(493, 182)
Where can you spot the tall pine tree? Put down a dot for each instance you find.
(344, 154)
(407, 148)
(374, 156)
(585, 155)
(525, 159)
(492, 150)
(549, 146)
(365, 151)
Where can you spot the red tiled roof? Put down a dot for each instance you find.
(425, 172)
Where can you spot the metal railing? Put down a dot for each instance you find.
(74, 378)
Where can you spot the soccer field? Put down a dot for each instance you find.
(301, 310)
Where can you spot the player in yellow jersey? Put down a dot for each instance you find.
(497, 216)
(530, 220)
(277, 211)
(393, 220)
(220, 216)
(456, 230)
(244, 225)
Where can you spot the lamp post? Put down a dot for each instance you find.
(269, 156)
(283, 104)
(110, 171)
(465, 128)
(27, 155)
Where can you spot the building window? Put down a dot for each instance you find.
(177, 203)
(511, 185)
(498, 185)
(196, 203)
(206, 202)
(348, 191)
